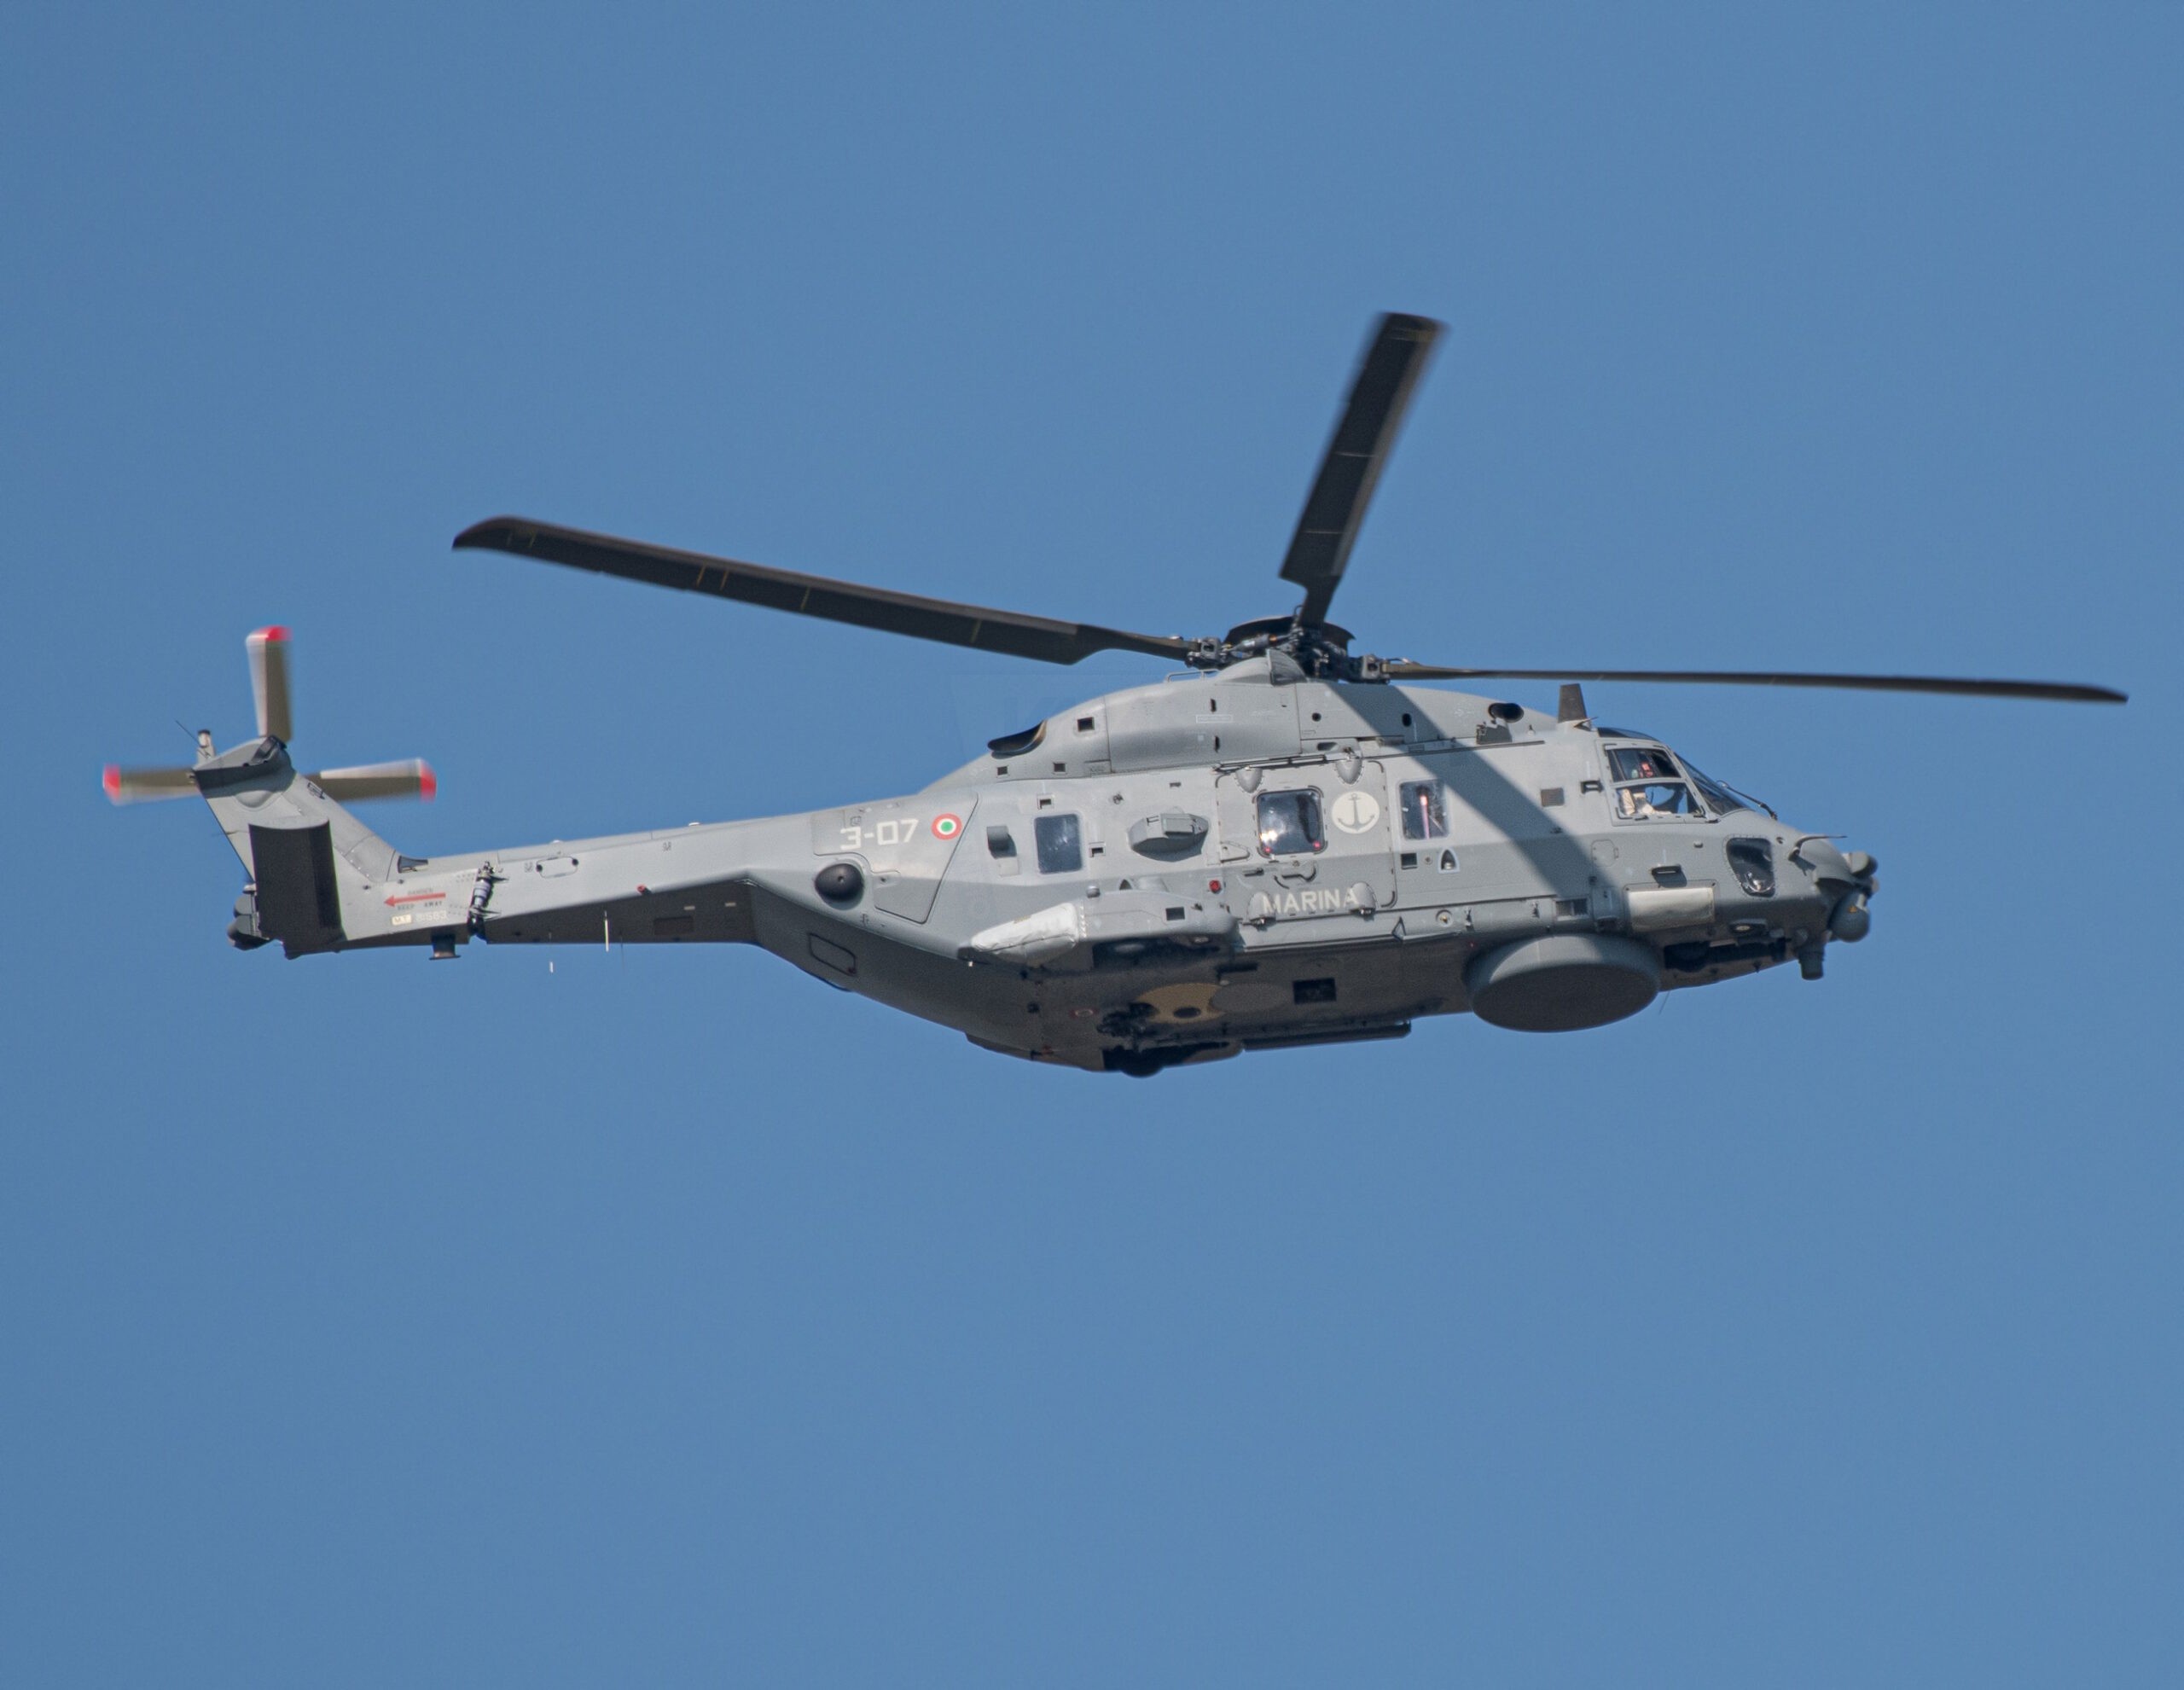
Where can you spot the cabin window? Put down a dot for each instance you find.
(1655, 799)
(1754, 862)
(1425, 810)
(1642, 763)
(1061, 843)
(1289, 824)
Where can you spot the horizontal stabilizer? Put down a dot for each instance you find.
(413, 778)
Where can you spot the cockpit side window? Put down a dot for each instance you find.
(1641, 763)
(1425, 810)
(1289, 824)
(1060, 840)
(1653, 799)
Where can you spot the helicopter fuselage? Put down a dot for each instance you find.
(1284, 845)
(1175, 872)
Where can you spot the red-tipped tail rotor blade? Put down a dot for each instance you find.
(147, 786)
(269, 682)
(411, 779)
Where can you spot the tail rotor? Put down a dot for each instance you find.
(268, 650)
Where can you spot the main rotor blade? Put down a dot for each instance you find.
(269, 682)
(923, 619)
(1394, 359)
(2065, 692)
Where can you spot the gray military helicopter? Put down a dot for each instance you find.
(1277, 844)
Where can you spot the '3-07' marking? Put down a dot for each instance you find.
(896, 830)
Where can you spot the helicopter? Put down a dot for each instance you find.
(1279, 843)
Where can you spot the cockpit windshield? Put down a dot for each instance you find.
(1651, 782)
(1717, 795)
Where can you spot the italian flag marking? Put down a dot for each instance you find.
(947, 827)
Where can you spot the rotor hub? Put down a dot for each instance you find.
(1320, 650)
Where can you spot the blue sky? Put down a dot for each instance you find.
(668, 1318)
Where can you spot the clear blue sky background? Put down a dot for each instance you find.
(669, 1318)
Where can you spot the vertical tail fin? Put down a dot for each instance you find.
(309, 859)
